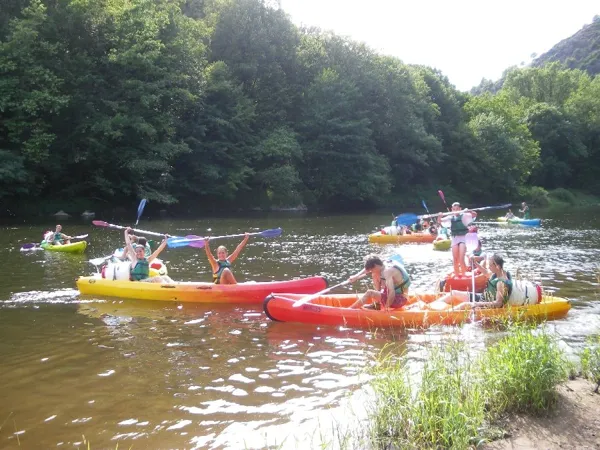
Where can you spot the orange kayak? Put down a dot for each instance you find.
(334, 310)
(250, 292)
(464, 282)
(379, 238)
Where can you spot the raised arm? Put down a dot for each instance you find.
(211, 259)
(129, 251)
(160, 248)
(231, 258)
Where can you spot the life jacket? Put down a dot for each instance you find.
(140, 271)
(222, 266)
(492, 288)
(57, 237)
(457, 227)
(525, 293)
(402, 287)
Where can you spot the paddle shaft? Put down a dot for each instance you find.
(100, 223)
(311, 297)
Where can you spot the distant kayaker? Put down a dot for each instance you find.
(222, 273)
(496, 293)
(459, 223)
(391, 282)
(140, 265)
(525, 210)
(509, 215)
(59, 238)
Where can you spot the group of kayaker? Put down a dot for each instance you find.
(391, 280)
(524, 210)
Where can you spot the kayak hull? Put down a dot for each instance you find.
(196, 291)
(442, 244)
(464, 282)
(334, 310)
(518, 221)
(378, 238)
(75, 247)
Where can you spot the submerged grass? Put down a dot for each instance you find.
(459, 396)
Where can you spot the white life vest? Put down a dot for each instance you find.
(391, 231)
(524, 293)
(117, 270)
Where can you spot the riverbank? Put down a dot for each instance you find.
(574, 423)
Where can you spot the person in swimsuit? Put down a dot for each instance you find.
(391, 282)
(221, 266)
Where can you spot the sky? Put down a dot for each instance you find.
(466, 39)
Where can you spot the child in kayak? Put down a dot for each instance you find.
(140, 265)
(59, 238)
(222, 273)
(391, 282)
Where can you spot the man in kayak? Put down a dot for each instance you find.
(496, 293)
(59, 238)
(140, 265)
(525, 210)
(222, 273)
(459, 223)
(391, 282)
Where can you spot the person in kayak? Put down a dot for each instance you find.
(496, 293)
(459, 223)
(140, 265)
(391, 282)
(509, 215)
(59, 238)
(525, 210)
(221, 266)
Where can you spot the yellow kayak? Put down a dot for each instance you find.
(442, 244)
(75, 247)
(378, 238)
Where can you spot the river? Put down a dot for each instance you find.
(162, 375)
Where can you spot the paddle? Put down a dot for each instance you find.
(311, 297)
(472, 242)
(33, 245)
(409, 218)
(424, 205)
(509, 223)
(101, 223)
(198, 242)
(443, 197)
(140, 210)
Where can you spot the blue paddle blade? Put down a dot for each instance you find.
(140, 210)
(273, 232)
(177, 242)
(425, 206)
(396, 257)
(406, 219)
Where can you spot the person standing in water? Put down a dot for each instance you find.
(459, 223)
(221, 266)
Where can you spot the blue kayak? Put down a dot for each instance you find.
(526, 222)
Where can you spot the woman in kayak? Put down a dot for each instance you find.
(391, 282)
(59, 238)
(222, 273)
(496, 293)
(509, 215)
(140, 265)
(459, 223)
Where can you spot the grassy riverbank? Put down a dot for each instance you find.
(460, 400)
(557, 198)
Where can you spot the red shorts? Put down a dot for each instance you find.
(399, 299)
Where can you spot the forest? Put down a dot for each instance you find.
(222, 105)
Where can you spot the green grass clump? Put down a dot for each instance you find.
(458, 398)
(590, 361)
(521, 371)
(446, 411)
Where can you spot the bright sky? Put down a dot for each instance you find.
(466, 39)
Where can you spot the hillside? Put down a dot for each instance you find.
(580, 51)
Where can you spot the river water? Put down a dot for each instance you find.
(162, 375)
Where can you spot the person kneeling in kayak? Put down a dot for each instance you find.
(496, 293)
(391, 283)
(140, 265)
(222, 273)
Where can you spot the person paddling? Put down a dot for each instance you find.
(525, 210)
(58, 237)
(459, 223)
(391, 282)
(221, 266)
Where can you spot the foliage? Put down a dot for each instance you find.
(228, 104)
(534, 195)
(590, 360)
(563, 195)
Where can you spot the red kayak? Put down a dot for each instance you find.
(464, 282)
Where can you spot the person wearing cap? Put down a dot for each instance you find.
(140, 265)
(525, 210)
(459, 223)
